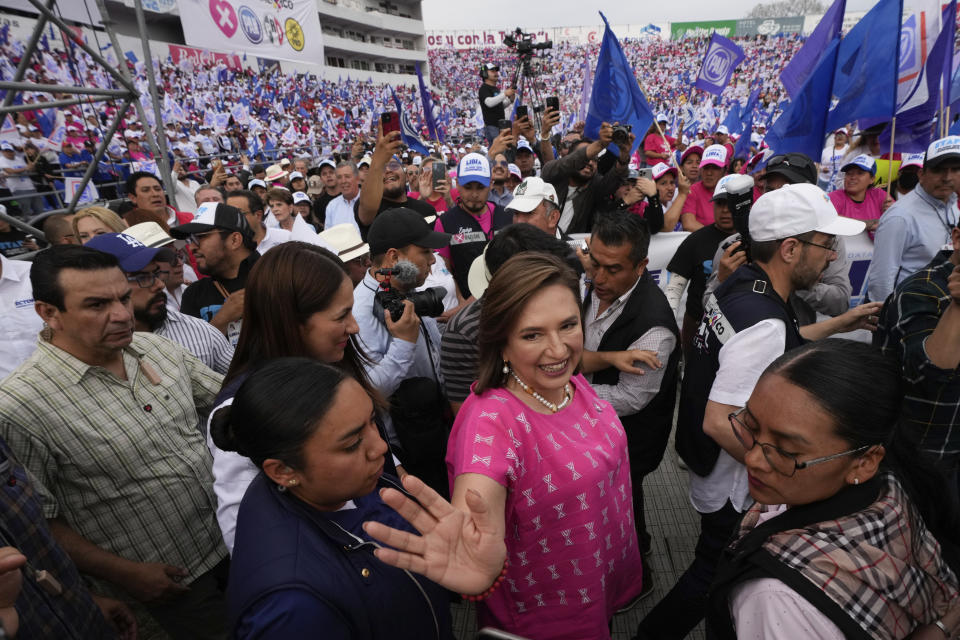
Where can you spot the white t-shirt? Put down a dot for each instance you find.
(742, 360)
(19, 322)
(16, 181)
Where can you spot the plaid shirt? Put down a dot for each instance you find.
(865, 563)
(70, 614)
(124, 462)
(931, 405)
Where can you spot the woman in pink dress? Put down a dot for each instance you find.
(539, 472)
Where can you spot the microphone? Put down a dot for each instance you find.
(405, 274)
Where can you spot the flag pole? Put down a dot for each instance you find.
(893, 137)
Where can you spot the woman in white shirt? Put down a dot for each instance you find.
(850, 536)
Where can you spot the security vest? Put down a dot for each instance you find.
(468, 239)
(743, 300)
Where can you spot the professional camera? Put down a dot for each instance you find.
(740, 201)
(523, 43)
(621, 134)
(428, 303)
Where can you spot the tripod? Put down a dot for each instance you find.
(524, 78)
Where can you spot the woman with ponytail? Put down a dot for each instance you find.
(850, 536)
(302, 566)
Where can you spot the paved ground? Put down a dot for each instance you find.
(674, 526)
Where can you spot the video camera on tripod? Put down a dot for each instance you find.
(523, 43)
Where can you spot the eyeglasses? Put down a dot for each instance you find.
(832, 247)
(146, 280)
(779, 460)
(501, 163)
(394, 166)
(194, 238)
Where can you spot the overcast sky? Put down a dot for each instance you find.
(471, 14)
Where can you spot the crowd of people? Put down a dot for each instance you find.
(333, 384)
(212, 113)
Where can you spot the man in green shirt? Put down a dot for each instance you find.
(110, 425)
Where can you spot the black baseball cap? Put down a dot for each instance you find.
(399, 227)
(795, 167)
(211, 216)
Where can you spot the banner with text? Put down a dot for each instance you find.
(681, 30)
(285, 29)
(180, 55)
(769, 26)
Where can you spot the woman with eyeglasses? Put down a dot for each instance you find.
(850, 535)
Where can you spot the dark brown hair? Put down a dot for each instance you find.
(519, 279)
(136, 216)
(286, 286)
(283, 195)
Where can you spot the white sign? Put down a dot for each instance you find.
(71, 185)
(285, 29)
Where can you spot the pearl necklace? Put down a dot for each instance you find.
(549, 405)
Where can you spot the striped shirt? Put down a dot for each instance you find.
(199, 338)
(123, 462)
(460, 352)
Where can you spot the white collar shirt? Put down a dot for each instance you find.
(19, 322)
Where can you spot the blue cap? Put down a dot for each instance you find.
(132, 254)
(863, 161)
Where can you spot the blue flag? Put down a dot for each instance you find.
(732, 121)
(802, 125)
(407, 131)
(429, 115)
(742, 148)
(862, 88)
(949, 22)
(915, 125)
(616, 96)
(721, 60)
(805, 60)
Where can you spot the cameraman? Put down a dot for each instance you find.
(405, 354)
(398, 238)
(493, 103)
(580, 187)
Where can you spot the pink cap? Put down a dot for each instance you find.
(661, 169)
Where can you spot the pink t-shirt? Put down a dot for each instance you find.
(655, 143)
(440, 204)
(571, 542)
(869, 209)
(699, 203)
(485, 220)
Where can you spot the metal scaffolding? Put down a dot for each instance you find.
(128, 94)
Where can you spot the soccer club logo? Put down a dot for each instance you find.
(224, 17)
(717, 65)
(294, 34)
(250, 25)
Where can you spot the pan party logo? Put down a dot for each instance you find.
(294, 34)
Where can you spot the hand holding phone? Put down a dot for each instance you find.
(390, 122)
(439, 173)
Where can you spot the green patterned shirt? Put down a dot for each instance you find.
(123, 462)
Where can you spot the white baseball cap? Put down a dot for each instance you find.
(662, 117)
(530, 193)
(723, 129)
(474, 167)
(294, 175)
(327, 162)
(715, 154)
(795, 209)
(300, 196)
(523, 144)
(911, 160)
(660, 169)
(256, 182)
(942, 149)
(723, 187)
(515, 170)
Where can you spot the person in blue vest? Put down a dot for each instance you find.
(302, 564)
(472, 222)
(747, 323)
